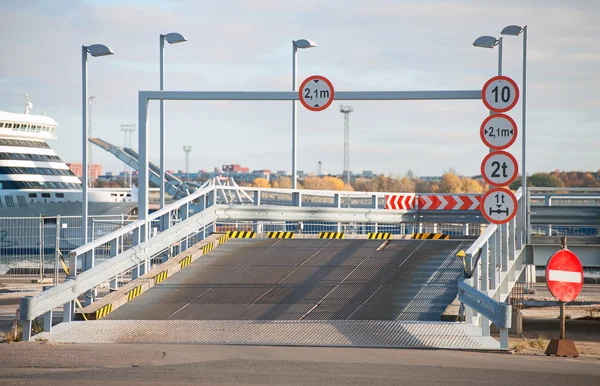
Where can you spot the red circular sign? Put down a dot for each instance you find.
(502, 171)
(564, 275)
(497, 142)
(500, 99)
(499, 206)
(316, 93)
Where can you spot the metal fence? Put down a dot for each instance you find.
(31, 246)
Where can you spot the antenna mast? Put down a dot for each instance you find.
(346, 110)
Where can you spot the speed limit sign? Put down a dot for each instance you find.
(500, 94)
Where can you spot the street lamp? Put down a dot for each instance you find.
(94, 50)
(171, 38)
(302, 44)
(515, 30)
(491, 42)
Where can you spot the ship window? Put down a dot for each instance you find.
(45, 195)
(113, 194)
(32, 195)
(128, 195)
(1, 124)
(16, 125)
(60, 195)
(9, 125)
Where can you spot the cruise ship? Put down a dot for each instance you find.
(35, 181)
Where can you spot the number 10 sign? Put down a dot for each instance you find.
(500, 94)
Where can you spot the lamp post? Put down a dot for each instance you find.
(302, 44)
(170, 38)
(515, 30)
(94, 50)
(491, 42)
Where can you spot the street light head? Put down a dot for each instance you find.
(514, 30)
(98, 50)
(174, 37)
(303, 43)
(485, 42)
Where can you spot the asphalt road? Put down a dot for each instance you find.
(35, 363)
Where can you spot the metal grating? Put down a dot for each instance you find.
(295, 279)
(353, 333)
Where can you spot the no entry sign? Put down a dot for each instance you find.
(564, 275)
(316, 93)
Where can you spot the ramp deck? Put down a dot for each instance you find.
(295, 291)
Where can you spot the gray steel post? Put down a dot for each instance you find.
(84, 155)
(162, 125)
(57, 251)
(524, 135)
(144, 158)
(68, 312)
(26, 330)
(294, 113)
(48, 321)
(41, 241)
(500, 55)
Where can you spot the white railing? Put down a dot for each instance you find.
(493, 264)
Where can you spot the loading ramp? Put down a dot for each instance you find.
(300, 292)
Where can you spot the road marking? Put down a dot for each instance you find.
(566, 276)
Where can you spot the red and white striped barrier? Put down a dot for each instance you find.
(432, 202)
(400, 201)
(449, 202)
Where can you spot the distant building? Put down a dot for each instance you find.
(94, 170)
(235, 168)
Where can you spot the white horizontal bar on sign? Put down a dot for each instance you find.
(293, 95)
(564, 276)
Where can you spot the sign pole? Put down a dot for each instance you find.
(562, 346)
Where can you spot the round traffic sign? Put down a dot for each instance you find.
(500, 94)
(564, 275)
(316, 93)
(499, 168)
(499, 205)
(498, 131)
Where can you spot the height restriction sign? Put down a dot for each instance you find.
(500, 94)
(316, 93)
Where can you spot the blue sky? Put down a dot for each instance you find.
(246, 45)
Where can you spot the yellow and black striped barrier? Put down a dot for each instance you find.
(241, 234)
(62, 261)
(207, 248)
(281, 235)
(102, 312)
(134, 293)
(430, 236)
(185, 262)
(161, 276)
(331, 235)
(380, 236)
(223, 239)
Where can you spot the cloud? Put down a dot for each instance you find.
(241, 45)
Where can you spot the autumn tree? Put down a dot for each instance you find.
(261, 183)
(283, 182)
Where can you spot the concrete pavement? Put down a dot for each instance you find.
(34, 363)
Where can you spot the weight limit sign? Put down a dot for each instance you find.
(499, 206)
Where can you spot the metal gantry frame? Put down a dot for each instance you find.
(144, 98)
